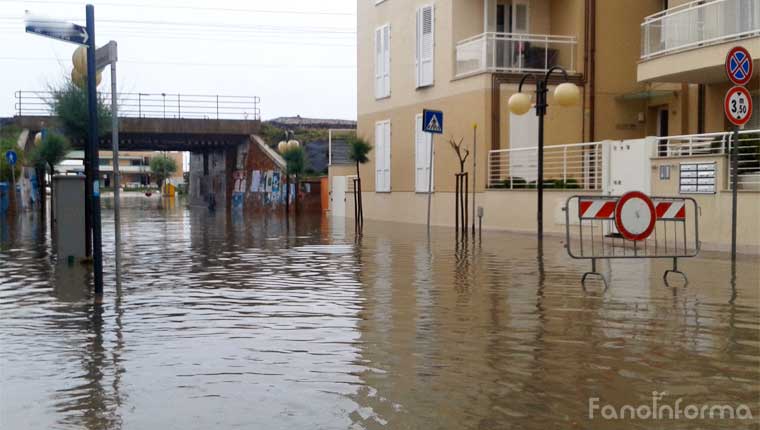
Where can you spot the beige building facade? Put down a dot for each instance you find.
(480, 50)
(639, 70)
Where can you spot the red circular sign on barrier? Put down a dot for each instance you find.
(635, 216)
(738, 106)
(739, 65)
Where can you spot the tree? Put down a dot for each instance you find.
(358, 152)
(162, 168)
(69, 103)
(48, 154)
(295, 164)
(462, 188)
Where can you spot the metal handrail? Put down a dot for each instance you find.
(577, 165)
(479, 53)
(710, 15)
(155, 105)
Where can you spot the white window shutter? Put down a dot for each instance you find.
(419, 167)
(387, 60)
(383, 156)
(379, 62)
(379, 136)
(422, 142)
(424, 61)
(387, 157)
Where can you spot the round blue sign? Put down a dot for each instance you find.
(11, 157)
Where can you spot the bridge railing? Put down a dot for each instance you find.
(154, 105)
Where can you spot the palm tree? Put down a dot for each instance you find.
(358, 150)
(48, 154)
(295, 161)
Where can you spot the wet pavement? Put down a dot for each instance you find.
(220, 322)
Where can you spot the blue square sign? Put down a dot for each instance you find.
(432, 121)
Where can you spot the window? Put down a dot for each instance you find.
(383, 61)
(383, 156)
(422, 143)
(521, 16)
(425, 46)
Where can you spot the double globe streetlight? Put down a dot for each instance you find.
(79, 72)
(566, 94)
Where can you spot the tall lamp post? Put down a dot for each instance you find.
(282, 147)
(566, 94)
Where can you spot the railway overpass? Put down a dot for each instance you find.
(213, 128)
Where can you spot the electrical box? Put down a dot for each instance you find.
(69, 216)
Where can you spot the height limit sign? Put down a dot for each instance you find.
(738, 102)
(738, 106)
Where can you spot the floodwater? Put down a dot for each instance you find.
(219, 322)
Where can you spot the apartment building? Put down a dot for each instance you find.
(134, 167)
(466, 57)
(682, 61)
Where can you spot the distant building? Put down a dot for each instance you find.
(134, 167)
(294, 122)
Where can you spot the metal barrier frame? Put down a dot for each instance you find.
(636, 254)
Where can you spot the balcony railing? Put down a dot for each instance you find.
(720, 144)
(514, 53)
(575, 166)
(698, 23)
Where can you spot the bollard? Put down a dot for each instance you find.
(480, 220)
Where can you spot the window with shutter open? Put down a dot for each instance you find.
(422, 143)
(383, 61)
(425, 46)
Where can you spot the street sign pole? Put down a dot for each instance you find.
(430, 180)
(11, 158)
(92, 101)
(115, 171)
(432, 122)
(738, 109)
(734, 190)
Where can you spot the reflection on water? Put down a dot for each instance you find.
(220, 321)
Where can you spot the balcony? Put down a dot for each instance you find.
(514, 53)
(697, 24)
(683, 43)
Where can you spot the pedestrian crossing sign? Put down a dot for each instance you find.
(432, 121)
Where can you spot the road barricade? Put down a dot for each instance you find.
(631, 226)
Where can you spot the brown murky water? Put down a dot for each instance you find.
(224, 322)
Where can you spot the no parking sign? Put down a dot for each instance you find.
(739, 65)
(738, 102)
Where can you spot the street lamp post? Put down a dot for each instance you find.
(566, 94)
(283, 147)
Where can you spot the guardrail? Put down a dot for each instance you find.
(154, 105)
(719, 144)
(698, 23)
(514, 53)
(575, 166)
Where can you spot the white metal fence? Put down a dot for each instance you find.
(698, 23)
(514, 52)
(575, 166)
(154, 105)
(719, 144)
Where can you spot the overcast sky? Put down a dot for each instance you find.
(299, 56)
